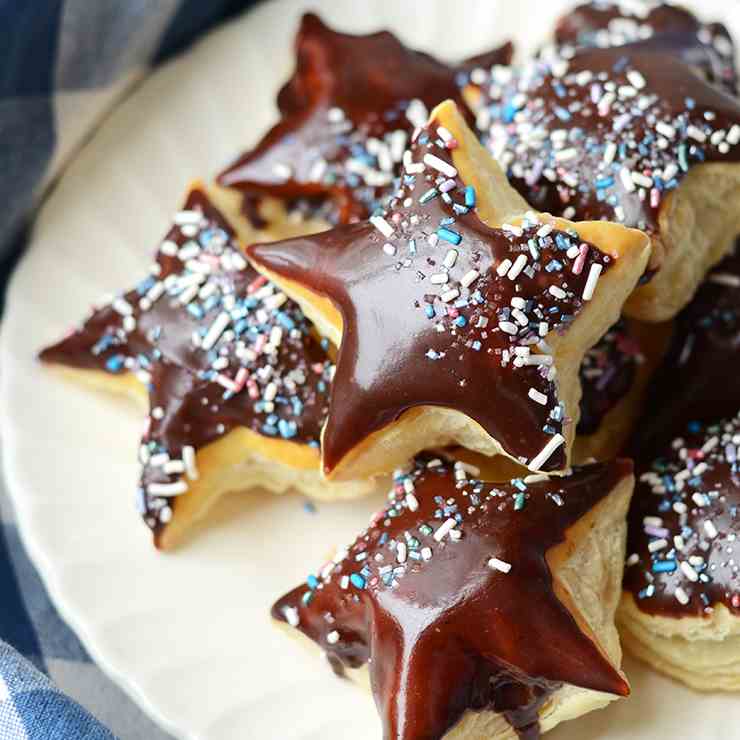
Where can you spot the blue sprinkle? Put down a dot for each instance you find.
(195, 310)
(664, 566)
(285, 320)
(312, 582)
(518, 502)
(306, 598)
(470, 196)
(287, 429)
(309, 507)
(449, 235)
(476, 345)
(357, 580)
(431, 193)
(429, 310)
(461, 321)
(115, 363)
(604, 182)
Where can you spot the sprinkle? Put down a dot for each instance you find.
(189, 458)
(508, 327)
(450, 258)
(412, 502)
(426, 553)
(122, 307)
(503, 268)
(537, 397)
(470, 196)
(696, 133)
(167, 489)
(593, 278)
(389, 249)
(610, 152)
(450, 295)
(401, 552)
(681, 596)
(636, 79)
(333, 637)
(517, 267)
(440, 165)
(689, 572)
(444, 529)
(382, 226)
(449, 235)
(665, 130)
(625, 175)
(215, 331)
(557, 292)
(657, 545)
(710, 529)
(291, 616)
(357, 581)
(547, 451)
(469, 278)
(500, 565)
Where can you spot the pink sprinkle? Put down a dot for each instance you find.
(656, 531)
(226, 382)
(252, 389)
(452, 144)
(259, 345)
(318, 367)
(241, 378)
(452, 312)
(256, 284)
(396, 218)
(580, 260)
(735, 601)
(212, 259)
(447, 185)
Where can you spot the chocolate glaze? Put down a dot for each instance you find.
(443, 631)
(192, 402)
(347, 95)
(405, 343)
(691, 492)
(696, 381)
(604, 23)
(607, 373)
(571, 151)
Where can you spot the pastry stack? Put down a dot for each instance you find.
(506, 293)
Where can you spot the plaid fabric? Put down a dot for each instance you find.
(65, 63)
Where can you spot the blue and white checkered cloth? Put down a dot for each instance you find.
(63, 65)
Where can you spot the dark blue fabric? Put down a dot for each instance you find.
(48, 715)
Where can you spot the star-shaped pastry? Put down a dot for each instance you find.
(630, 134)
(236, 380)
(466, 598)
(345, 120)
(696, 381)
(607, 23)
(460, 316)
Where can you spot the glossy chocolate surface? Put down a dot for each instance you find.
(216, 345)
(684, 524)
(443, 310)
(607, 373)
(604, 23)
(608, 133)
(449, 598)
(345, 119)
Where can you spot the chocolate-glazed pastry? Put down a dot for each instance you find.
(629, 134)
(681, 609)
(607, 23)
(696, 381)
(346, 116)
(456, 598)
(219, 349)
(442, 310)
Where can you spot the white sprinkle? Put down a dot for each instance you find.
(547, 451)
(689, 572)
(517, 267)
(191, 466)
(333, 637)
(508, 327)
(636, 79)
(282, 171)
(450, 258)
(187, 217)
(564, 155)
(440, 165)
(389, 249)
(122, 306)
(626, 177)
(544, 230)
(382, 226)
(444, 529)
(426, 553)
(698, 498)
(167, 489)
(469, 278)
(174, 467)
(665, 129)
(537, 397)
(642, 180)
(725, 278)
(733, 136)
(610, 151)
(593, 278)
(412, 502)
(557, 292)
(274, 301)
(696, 133)
(543, 328)
(168, 248)
(401, 552)
(270, 391)
(450, 295)
(520, 317)
(656, 545)
(678, 542)
(633, 559)
(158, 413)
(681, 596)
(439, 278)
(503, 268)
(500, 565)
(216, 330)
(291, 616)
(710, 529)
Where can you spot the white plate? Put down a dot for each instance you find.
(188, 635)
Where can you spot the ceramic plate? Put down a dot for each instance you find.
(188, 635)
